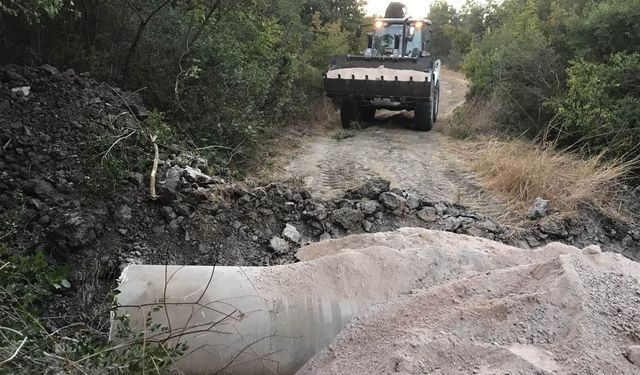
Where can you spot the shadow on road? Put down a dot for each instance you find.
(391, 120)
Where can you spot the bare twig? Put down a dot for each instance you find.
(154, 169)
(120, 139)
(24, 340)
(7, 234)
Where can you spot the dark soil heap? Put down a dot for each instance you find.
(61, 193)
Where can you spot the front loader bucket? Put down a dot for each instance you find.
(381, 77)
(376, 88)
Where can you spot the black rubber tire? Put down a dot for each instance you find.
(349, 112)
(367, 113)
(436, 103)
(423, 115)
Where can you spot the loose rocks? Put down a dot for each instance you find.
(539, 209)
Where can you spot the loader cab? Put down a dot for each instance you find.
(400, 38)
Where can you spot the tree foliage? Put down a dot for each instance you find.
(222, 71)
(565, 68)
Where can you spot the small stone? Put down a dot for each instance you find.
(413, 201)
(291, 233)
(167, 213)
(325, 237)
(316, 211)
(452, 223)
(371, 189)
(369, 207)
(633, 354)
(592, 249)
(174, 225)
(490, 226)
(367, 225)
(122, 214)
(475, 231)
(347, 217)
(540, 208)
(172, 178)
(195, 175)
(203, 249)
(289, 206)
(76, 232)
(391, 200)
(428, 214)
(532, 241)
(50, 69)
(122, 231)
(279, 245)
(441, 209)
(22, 90)
(158, 229)
(552, 225)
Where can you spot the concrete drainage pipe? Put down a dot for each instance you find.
(271, 320)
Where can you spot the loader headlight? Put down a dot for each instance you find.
(419, 25)
(378, 24)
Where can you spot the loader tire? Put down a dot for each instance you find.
(349, 112)
(367, 113)
(436, 103)
(423, 115)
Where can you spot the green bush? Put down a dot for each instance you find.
(223, 72)
(518, 63)
(604, 28)
(602, 107)
(30, 346)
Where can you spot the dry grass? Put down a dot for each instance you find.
(518, 172)
(476, 117)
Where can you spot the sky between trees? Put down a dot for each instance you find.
(417, 8)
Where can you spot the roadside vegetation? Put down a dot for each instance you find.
(226, 74)
(31, 344)
(560, 77)
(222, 78)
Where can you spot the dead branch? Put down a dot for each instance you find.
(154, 169)
(120, 139)
(24, 340)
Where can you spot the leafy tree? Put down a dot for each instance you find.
(32, 10)
(602, 105)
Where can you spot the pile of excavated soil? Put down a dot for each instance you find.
(486, 308)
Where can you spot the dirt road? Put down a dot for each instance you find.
(388, 148)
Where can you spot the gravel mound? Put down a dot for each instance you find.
(568, 312)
